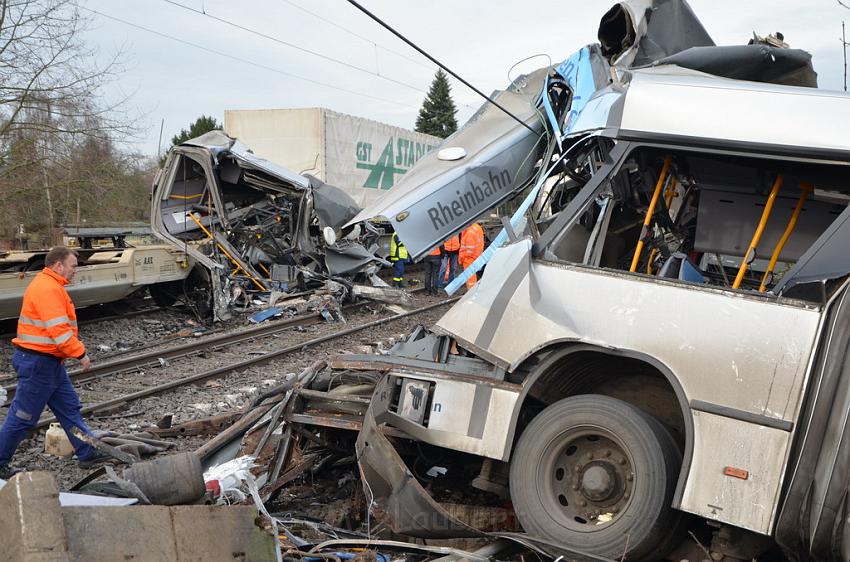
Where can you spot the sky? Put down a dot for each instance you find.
(187, 61)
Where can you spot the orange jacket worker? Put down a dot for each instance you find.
(432, 270)
(47, 335)
(448, 267)
(471, 246)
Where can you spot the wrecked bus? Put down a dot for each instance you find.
(662, 340)
(251, 225)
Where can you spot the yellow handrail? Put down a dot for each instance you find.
(751, 250)
(265, 269)
(668, 199)
(226, 253)
(805, 188)
(649, 212)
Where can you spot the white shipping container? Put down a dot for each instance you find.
(364, 157)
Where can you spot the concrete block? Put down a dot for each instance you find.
(210, 533)
(31, 528)
(35, 528)
(141, 533)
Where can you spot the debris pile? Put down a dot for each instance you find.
(253, 227)
(292, 453)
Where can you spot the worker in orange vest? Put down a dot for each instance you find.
(448, 267)
(471, 246)
(47, 336)
(432, 269)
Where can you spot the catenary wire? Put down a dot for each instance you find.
(355, 34)
(294, 46)
(245, 61)
(438, 63)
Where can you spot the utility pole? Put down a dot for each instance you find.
(844, 44)
(162, 126)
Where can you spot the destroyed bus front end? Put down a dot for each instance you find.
(659, 342)
(253, 225)
(610, 400)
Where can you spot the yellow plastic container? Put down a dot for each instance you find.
(56, 442)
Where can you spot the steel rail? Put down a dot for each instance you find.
(130, 362)
(87, 321)
(226, 369)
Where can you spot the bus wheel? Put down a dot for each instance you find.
(597, 475)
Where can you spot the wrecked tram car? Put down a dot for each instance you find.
(250, 223)
(666, 338)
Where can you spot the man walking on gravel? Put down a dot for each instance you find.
(47, 336)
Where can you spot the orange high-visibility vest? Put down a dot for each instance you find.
(471, 243)
(435, 252)
(48, 322)
(452, 244)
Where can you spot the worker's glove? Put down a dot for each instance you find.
(85, 362)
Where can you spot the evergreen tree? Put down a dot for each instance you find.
(437, 116)
(202, 124)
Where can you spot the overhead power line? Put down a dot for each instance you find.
(355, 34)
(243, 60)
(438, 63)
(294, 46)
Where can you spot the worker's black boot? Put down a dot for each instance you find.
(96, 460)
(7, 471)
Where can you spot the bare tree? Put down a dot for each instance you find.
(49, 78)
(51, 102)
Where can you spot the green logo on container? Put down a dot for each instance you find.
(398, 156)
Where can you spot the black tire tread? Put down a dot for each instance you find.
(648, 442)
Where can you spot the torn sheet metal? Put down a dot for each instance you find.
(825, 260)
(442, 194)
(334, 207)
(396, 496)
(756, 63)
(252, 224)
(637, 32)
(814, 517)
(439, 198)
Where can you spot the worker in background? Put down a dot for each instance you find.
(47, 336)
(398, 256)
(432, 270)
(448, 267)
(471, 246)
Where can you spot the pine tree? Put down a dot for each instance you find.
(202, 124)
(437, 116)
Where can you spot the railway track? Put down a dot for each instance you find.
(224, 370)
(12, 323)
(158, 356)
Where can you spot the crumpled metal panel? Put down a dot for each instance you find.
(826, 259)
(333, 206)
(437, 198)
(396, 497)
(757, 63)
(813, 519)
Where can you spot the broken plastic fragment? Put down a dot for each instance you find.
(436, 471)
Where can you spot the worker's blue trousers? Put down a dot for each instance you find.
(42, 381)
(398, 271)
